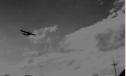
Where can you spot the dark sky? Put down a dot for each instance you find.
(41, 13)
(69, 15)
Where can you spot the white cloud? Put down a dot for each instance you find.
(42, 33)
(49, 39)
(7, 69)
(30, 53)
(53, 29)
(84, 38)
(79, 40)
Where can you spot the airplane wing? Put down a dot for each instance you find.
(27, 33)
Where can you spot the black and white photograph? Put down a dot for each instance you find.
(62, 37)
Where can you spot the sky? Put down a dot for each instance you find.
(62, 27)
(30, 15)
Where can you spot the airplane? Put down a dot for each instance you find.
(27, 33)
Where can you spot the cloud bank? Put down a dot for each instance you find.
(42, 33)
(85, 60)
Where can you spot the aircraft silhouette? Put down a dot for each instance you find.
(27, 33)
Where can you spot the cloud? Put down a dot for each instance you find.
(42, 33)
(53, 29)
(30, 53)
(7, 69)
(84, 39)
(49, 40)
